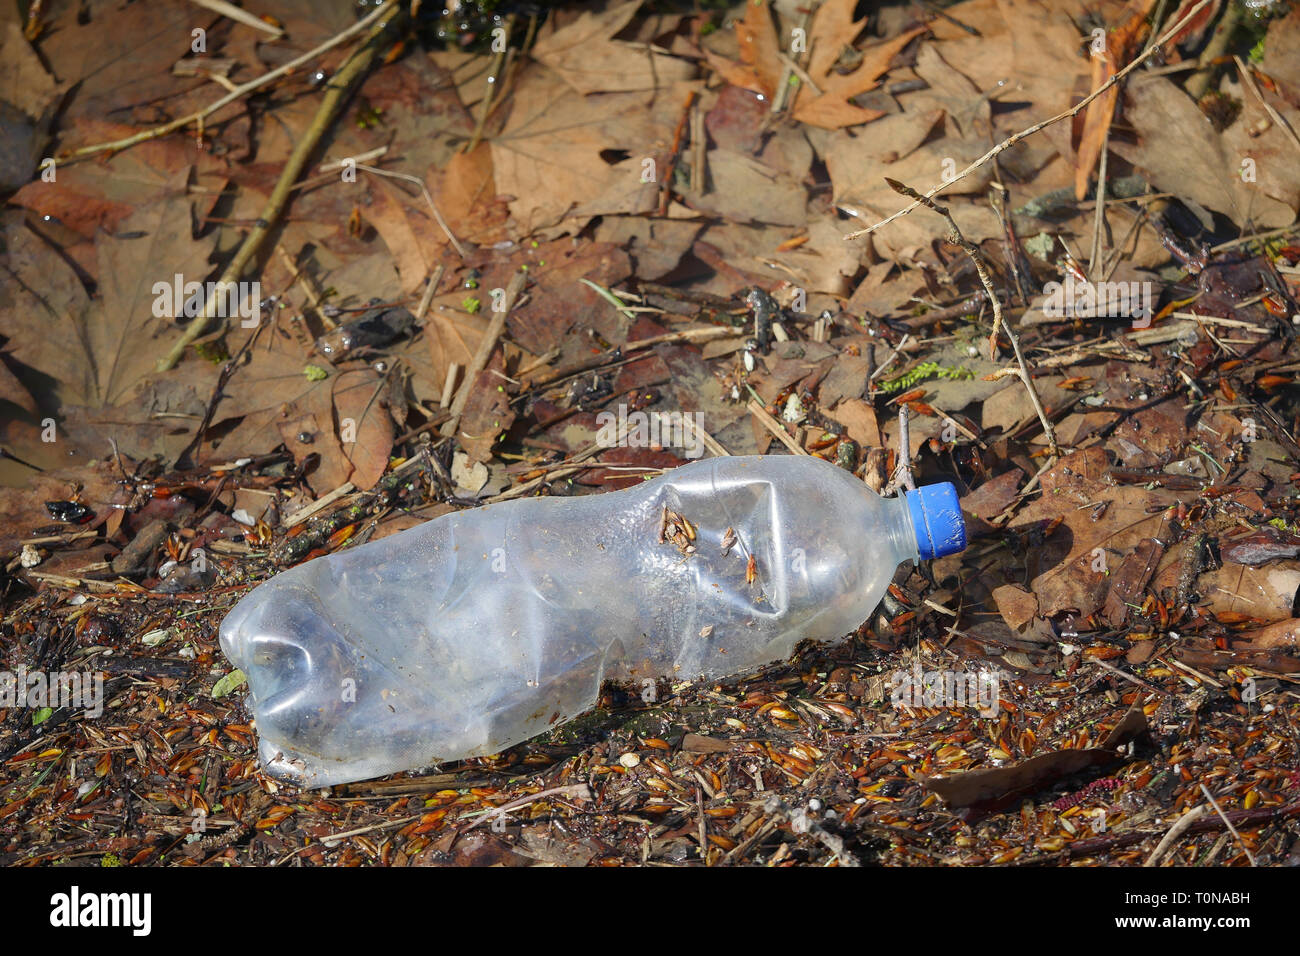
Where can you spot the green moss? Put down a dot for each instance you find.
(921, 373)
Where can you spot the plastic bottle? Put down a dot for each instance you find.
(480, 629)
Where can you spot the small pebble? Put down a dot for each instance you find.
(629, 760)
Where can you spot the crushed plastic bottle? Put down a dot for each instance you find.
(480, 629)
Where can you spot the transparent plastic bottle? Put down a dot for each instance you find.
(480, 629)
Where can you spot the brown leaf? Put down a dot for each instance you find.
(1128, 582)
(1266, 593)
(1016, 605)
(584, 53)
(365, 427)
(1099, 523)
(99, 351)
(1281, 634)
(12, 390)
(1119, 49)
(488, 413)
(985, 790)
(859, 419)
(26, 84)
(1211, 174)
(992, 497)
(832, 109)
(272, 389)
(558, 157)
(412, 238)
(1260, 547)
(82, 212)
(22, 510)
(759, 47)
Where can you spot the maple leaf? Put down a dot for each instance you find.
(98, 350)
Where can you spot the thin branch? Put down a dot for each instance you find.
(240, 91)
(981, 268)
(339, 89)
(1228, 823)
(1099, 215)
(442, 223)
(484, 351)
(226, 9)
(1178, 829)
(902, 477)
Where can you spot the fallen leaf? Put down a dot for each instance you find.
(1118, 47)
(588, 58)
(563, 158)
(986, 790)
(1016, 605)
(760, 50)
(831, 108)
(1211, 174)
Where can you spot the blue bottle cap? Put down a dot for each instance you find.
(936, 517)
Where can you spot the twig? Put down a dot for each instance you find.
(359, 158)
(772, 425)
(242, 16)
(1099, 215)
(617, 355)
(1129, 677)
(1277, 118)
(334, 839)
(666, 194)
(218, 390)
(981, 268)
(1175, 831)
(486, 346)
(1199, 84)
(1010, 141)
(709, 442)
(485, 107)
(324, 501)
(902, 476)
(449, 385)
(429, 291)
(889, 360)
(116, 145)
(1228, 823)
(579, 791)
(698, 145)
(442, 223)
(339, 88)
(296, 274)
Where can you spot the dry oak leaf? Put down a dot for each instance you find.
(830, 108)
(466, 198)
(564, 158)
(760, 50)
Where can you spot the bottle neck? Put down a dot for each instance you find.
(902, 532)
